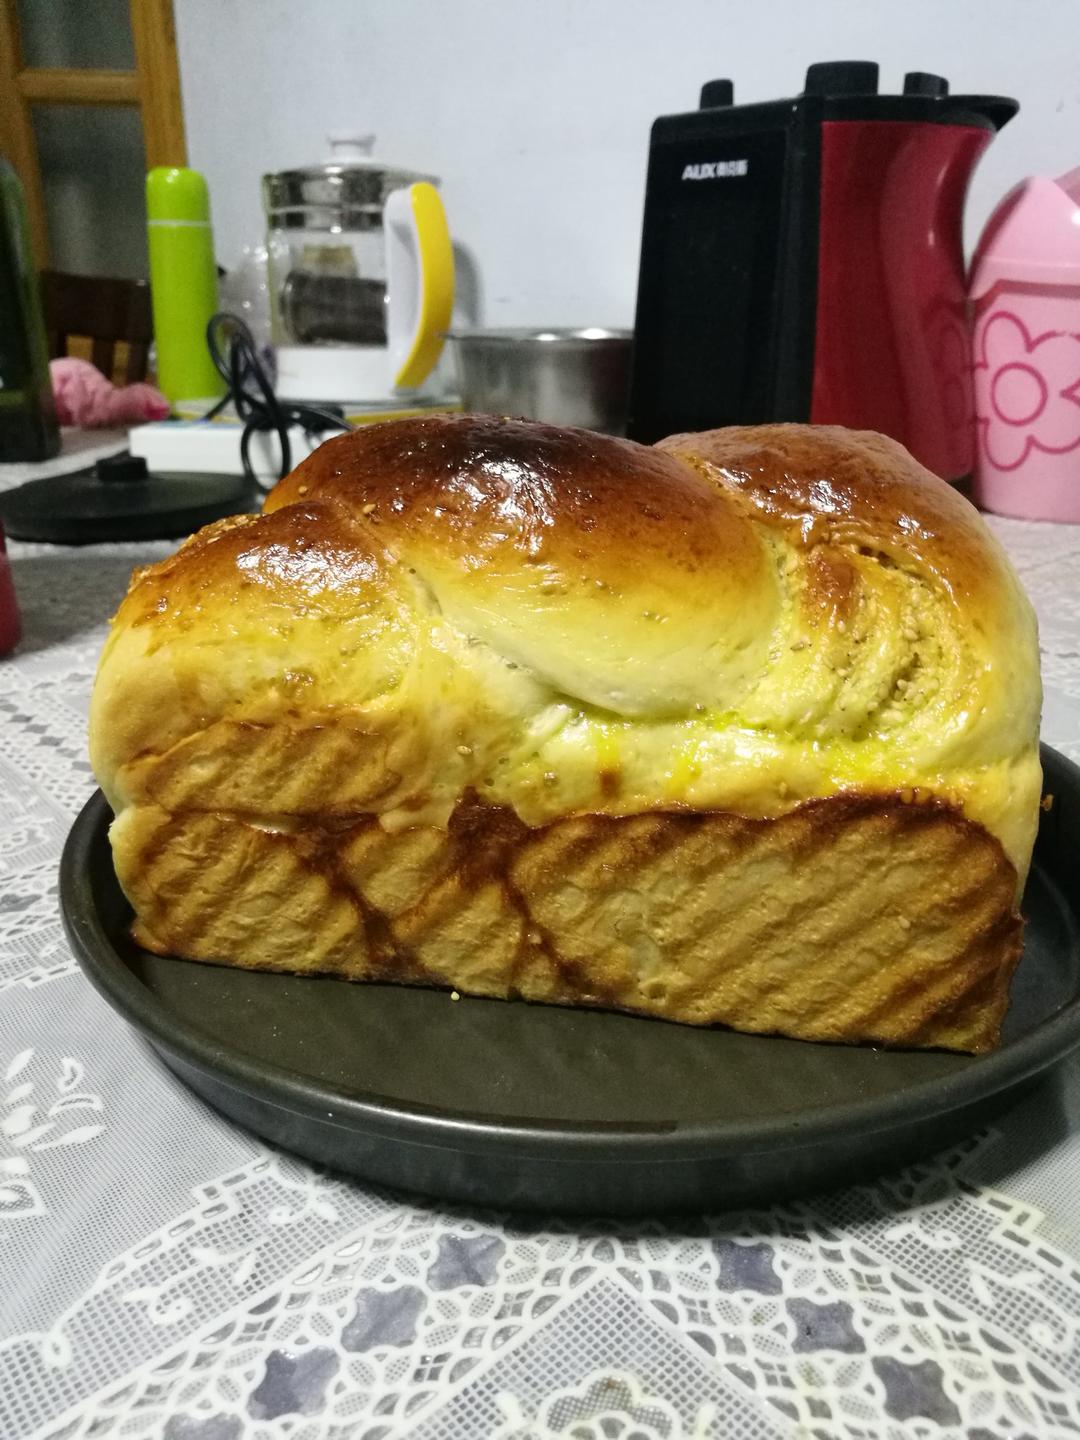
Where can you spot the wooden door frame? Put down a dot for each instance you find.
(153, 88)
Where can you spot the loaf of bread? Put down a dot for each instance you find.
(740, 728)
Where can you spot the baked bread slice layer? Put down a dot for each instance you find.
(848, 918)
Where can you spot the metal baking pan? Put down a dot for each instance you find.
(543, 1108)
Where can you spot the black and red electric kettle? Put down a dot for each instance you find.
(803, 260)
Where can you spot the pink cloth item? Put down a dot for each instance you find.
(86, 398)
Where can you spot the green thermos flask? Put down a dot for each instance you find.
(183, 282)
(27, 414)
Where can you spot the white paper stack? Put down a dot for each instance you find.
(202, 446)
(197, 445)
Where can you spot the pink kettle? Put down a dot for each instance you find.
(1025, 288)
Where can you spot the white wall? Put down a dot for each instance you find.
(536, 113)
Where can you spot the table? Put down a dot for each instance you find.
(165, 1274)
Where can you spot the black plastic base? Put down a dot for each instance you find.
(84, 507)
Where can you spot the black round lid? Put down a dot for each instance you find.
(120, 500)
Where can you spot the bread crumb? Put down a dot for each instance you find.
(907, 795)
(905, 923)
(369, 508)
(302, 490)
(910, 634)
(454, 995)
(464, 749)
(1046, 803)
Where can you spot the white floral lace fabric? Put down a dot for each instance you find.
(164, 1274)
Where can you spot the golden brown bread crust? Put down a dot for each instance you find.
(851, 918)
(484, 482)
(823, 484)
(727, 632)
(496, 492)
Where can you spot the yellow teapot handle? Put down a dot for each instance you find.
(420, 281)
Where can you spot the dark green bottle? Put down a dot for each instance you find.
(27, 414)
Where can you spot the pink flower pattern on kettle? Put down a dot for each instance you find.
(1026, 391)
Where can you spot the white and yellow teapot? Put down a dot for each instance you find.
(361, 273)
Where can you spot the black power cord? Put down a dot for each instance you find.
(234, 353)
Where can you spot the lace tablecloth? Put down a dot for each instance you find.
(165, 1274)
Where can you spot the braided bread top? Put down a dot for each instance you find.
(564, 622)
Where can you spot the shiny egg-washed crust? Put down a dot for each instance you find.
(735, 624)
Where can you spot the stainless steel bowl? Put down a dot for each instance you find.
(566, 377)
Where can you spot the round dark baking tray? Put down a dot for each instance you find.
(537, 1107)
